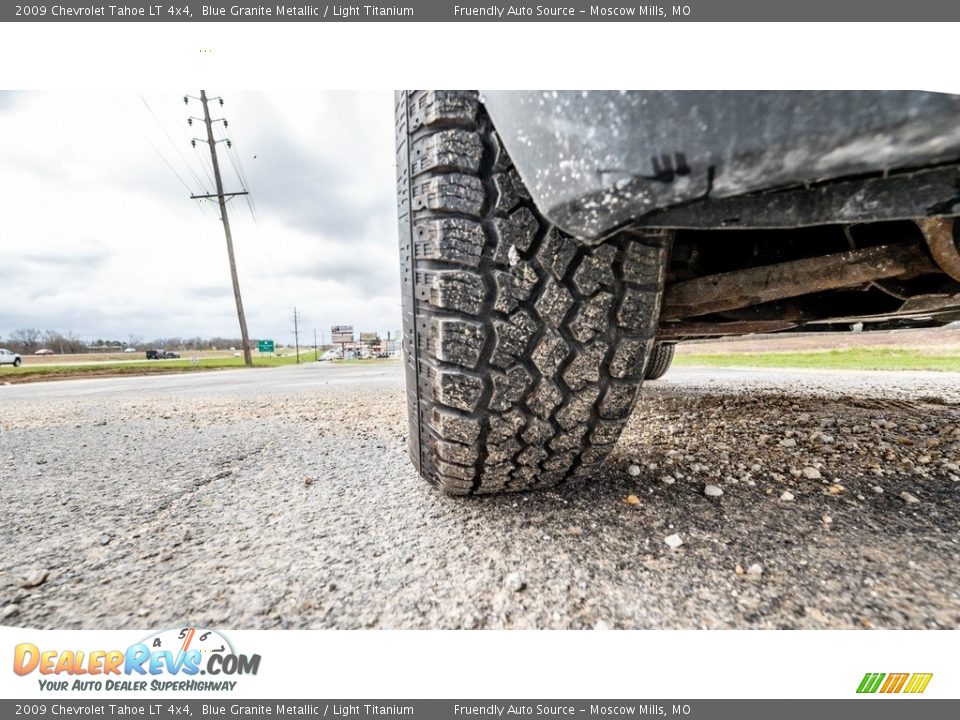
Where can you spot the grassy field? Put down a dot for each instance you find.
(27, 373)
(106, 368)
(864, 358)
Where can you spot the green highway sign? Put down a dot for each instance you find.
(265, 345)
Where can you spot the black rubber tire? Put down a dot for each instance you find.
(523, 347)
(16, 363)
(660, 360)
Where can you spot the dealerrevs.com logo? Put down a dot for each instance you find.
(911, 683)
(168, 660)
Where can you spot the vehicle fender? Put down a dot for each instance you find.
(595, 160)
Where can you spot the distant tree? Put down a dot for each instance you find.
(25, 340)
(74, 343)
(53, 340)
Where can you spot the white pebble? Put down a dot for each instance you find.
(712, 491)
(673, 541)
(811, 473)
(908, 498)
(515, 582)
(633, 470)
(787, 495)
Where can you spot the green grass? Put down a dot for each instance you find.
(31, 373)
(26, 373)
(846, 359)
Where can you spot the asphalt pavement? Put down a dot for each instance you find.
(283, 498)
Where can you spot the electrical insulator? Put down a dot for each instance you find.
(186, 100)
(221, 101)
(190, 122)
(229, 144)
(226, 124)
(193, 143)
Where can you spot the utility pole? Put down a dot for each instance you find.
(222, 200)
(296, 333)
(316, 353)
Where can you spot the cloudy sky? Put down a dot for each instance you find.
(99, 237)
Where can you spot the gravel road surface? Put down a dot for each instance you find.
(282, 498)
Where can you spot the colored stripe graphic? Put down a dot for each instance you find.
(894, 683)
(918, 682)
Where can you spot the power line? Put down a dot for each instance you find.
(238, 168)
(172, 143)
(222, 200)
(155, 148)
(179, 124)
(296, 333)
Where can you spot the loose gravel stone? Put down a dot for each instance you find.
(633, 470)
(908, 498)
(9, 611)
(35, 578)
(788, 443)
(786, 496)
(673, 541)
(713, 491)
(668, 480)
(514, 581)
(755, 570)
(811, 473)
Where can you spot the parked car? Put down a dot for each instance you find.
(130, 350)
(555, 245)
(162, 355)
(9, 358)
(44, 351)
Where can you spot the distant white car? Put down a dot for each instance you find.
(130, 350)
(9, 358)
(44, 351)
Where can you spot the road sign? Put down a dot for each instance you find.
(265, 345)
(341, 334)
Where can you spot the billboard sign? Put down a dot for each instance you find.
(341, 334)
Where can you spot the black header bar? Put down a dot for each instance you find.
(480, 11)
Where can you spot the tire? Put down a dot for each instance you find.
(523, 348)
(16, 363)
(660, 360)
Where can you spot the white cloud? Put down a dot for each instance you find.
(99, 237)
